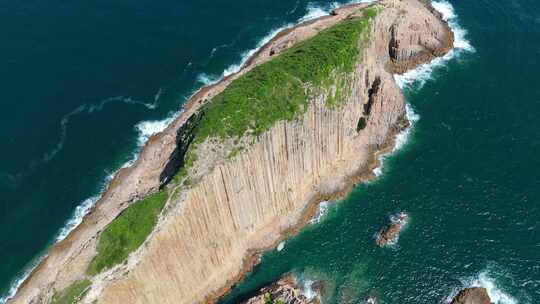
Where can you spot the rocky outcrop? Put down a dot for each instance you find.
(474, 295)
(247, 203)
(284, 291)
(419, 39)
(390, 233)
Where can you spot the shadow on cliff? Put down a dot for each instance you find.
(184, 137)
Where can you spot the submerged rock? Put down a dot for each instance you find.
(371, 300)
(390, 233)
(474, 295)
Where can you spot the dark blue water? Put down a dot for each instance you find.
(79, 79)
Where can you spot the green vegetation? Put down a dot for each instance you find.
(281, 88)
(361, 124)
(268, 299)
(181, 175)
(127, 232)
(72, 294)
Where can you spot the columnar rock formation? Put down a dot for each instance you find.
(245, 203)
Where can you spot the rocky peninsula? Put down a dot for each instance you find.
(247, 161)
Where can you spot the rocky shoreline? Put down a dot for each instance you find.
(285, 291)
(160, 158)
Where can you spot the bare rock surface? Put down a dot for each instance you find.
(390, 233)
(284, 291)
(473, 295)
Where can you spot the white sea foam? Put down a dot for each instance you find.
(280, 246)
(496, 294)
(19, 279)
(90, 109)
(206, 79)
(307, 290)
(145, 129)
(401, 138)
(485, 279)
(77, 217)
(324, 207)
(316, 10)
(423, 73)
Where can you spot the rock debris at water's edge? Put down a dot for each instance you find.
(242, 205)
(285, 291)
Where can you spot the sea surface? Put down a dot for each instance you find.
(85, 83)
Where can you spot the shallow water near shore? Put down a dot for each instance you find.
(85, 86)
(467, 177)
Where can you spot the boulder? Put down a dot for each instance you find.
(473, 295)
(390, 233)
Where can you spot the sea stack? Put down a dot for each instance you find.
(247, 161)
(390, 233)
(473, 295)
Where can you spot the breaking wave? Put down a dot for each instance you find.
(324, 207)
(312, 12)
(496, 294)
(486, 280)
(400, 140)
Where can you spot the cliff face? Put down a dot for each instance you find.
(245, 203)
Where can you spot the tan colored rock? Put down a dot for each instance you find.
(248, 203)
(474, 295)
(284, 291)
(390, 233)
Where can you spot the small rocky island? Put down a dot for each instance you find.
(389, 234)
(473, 295)
(285, 291)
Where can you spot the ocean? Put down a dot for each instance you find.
(85, 84)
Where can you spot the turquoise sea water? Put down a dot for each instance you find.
(84, 83)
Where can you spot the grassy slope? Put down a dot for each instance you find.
(127, 232)
(281, 88)
(72, 294)
(276, 90)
